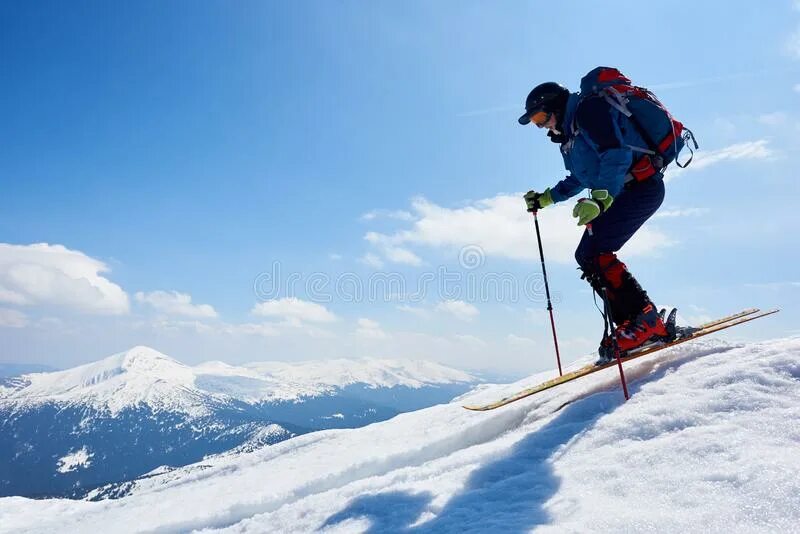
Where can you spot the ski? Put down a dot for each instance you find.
(689, 335)
(725, 319)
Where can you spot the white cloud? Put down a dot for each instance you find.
(334, 257)
(43, 274)
(500, 226)
(294, 310)
(174, 303)
(12, 319)
(399, 215)
(459, 309)
(747, 150)
(369, 329)
(796, 88)
(402, 255)
(390, 250)
(750, 150)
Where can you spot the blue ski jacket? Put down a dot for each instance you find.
(596, 146)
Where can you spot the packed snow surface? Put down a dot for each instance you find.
(144, 376)
(709, 442)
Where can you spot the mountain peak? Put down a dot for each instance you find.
(145, 359)
(139, 375)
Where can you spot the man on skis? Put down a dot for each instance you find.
(598, 143)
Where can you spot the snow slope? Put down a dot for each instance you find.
(708, 442)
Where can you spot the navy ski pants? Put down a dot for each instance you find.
(612, 229)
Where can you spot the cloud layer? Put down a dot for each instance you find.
(174, 303)
(369, 329)
(292, 309)
(752, 150)
(501, 227)
(53, 275)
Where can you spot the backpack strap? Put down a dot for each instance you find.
(642, 150)
(687, 135)
(616, 100)
(615, 93)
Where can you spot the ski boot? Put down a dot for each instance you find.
(647, 329)
(647, 325)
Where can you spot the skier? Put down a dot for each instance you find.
(597, 144)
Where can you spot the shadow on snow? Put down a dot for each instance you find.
(508, 494)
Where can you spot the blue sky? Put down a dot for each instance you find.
(167, 154)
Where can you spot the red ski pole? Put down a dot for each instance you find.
(547, 292)
(616, 351)
(607, 318)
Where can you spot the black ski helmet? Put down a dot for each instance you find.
(549, 96)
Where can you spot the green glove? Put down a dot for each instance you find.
(537, 201)
(587, 209)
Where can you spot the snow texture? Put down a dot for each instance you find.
(708, 443)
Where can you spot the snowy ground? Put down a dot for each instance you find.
(706, 444)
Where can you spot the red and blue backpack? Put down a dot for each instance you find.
(664, 135)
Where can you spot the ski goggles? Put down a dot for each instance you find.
(540, 118)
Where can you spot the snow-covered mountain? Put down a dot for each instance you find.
(707, 443)
(143, 375)
(65, 432)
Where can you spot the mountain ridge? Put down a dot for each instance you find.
(142, 375)
(115, 419)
